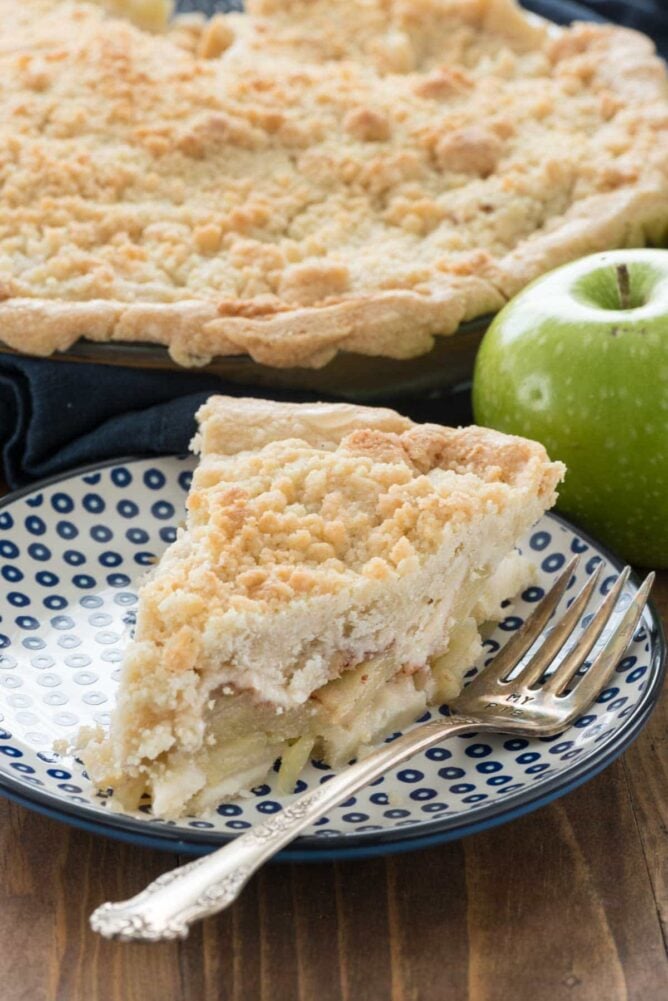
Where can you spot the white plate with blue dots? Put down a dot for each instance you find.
(71, 553)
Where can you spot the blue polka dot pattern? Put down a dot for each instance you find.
(485, 767)
(138, 536)
(421, 794)
(35, 525)
(110, 559)
(62, 503)
(268, 806)
(39, 552)
(66, 530)
(553, 562)
(527, 757)
(74, 557)
(540, 541)
(144, 559)
(451, 772)
(33, 643)
(93, 503)
(70, 556)
(91, 601)
(510, 623)
(26, 622)
(154, 479)
(18, 599)
(229, 810)
(120, 476)
(162, 509)
(533, 594)
(516, 744)
(12, 573)
(127, 508)
(101, 533)
(54, 601)
(62, 622)
(410, 775)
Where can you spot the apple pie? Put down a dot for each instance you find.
(329, 583)
(313, 175)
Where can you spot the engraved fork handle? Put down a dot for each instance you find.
(173, 901)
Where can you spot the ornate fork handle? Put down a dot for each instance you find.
(172, 902)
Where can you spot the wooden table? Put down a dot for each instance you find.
(570, 902)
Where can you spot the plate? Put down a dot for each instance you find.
(361, 378)
(71, 552)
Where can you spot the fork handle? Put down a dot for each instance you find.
(173, 901)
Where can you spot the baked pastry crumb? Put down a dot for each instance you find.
(329, 583)
(311, 177)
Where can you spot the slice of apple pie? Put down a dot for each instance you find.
(329, 584)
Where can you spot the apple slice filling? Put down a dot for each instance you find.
(243, 737)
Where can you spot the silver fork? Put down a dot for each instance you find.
(513, 694)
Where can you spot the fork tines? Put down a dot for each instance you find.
(558, 681)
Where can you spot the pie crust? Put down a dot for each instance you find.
(328, 585)
(337, 175)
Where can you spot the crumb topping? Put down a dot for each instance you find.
(331, 552)
(306, 154)
(291, 520)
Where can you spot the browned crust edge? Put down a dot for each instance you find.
(395, 324)
(229, 425)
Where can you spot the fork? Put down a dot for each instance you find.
(515, 693)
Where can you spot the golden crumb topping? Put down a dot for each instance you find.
(310, 155)
(290, 520)
(329, 550)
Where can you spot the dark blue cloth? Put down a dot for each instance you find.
(55, 416)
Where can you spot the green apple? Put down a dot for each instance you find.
(579, 361)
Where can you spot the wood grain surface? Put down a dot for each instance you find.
(570, 902)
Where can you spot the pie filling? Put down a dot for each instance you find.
(243, 737)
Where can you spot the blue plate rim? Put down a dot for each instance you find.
(364, 844)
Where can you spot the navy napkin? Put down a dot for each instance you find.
(56, 416)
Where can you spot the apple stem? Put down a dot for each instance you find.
(624, 286)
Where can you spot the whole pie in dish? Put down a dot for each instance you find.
(329, 584)
(312, 175)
